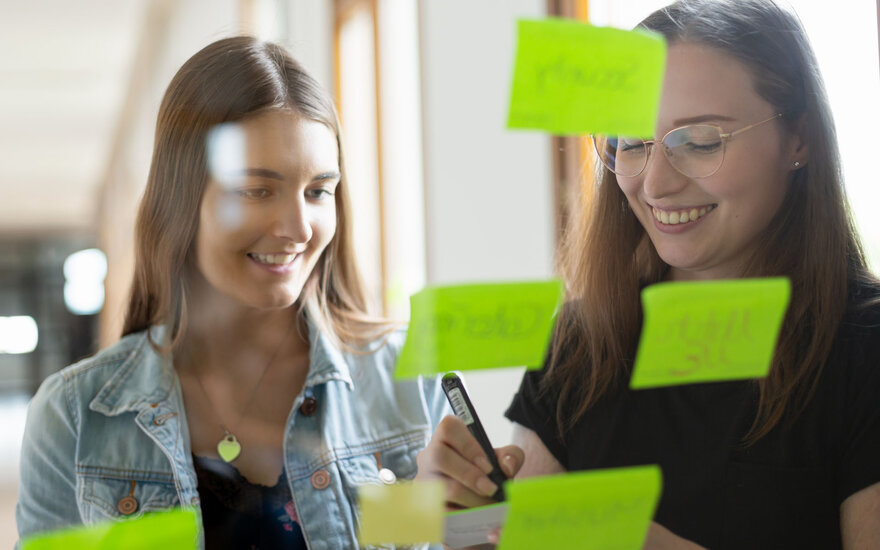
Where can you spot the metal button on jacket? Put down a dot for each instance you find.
(309, 406)
(127, 505)
(320, 479)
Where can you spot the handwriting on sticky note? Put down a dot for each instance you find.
(594, 509)
(168, 530)
(709, 331)
(479, 326)
(404, 513)
(573, 78)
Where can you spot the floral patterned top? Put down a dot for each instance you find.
(239, 515)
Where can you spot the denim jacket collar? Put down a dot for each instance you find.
(147, 377)
(326, 361)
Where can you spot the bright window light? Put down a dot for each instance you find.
(18, 334)
(84, 272)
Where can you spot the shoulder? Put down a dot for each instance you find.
(859, 330)
(72, 383)
(105, 362)
(381, 352)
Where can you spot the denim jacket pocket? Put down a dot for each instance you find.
(397, 454)
(116, 497)
(362, 465)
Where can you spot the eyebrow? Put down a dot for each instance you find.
(327, 176)
(263, 173)
(272, 174)
(701, 118)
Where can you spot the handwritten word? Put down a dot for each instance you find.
(709, 331)
(479, 326)
(573, 78)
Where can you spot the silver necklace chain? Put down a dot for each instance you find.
(226, 433)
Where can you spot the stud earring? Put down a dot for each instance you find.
(797, 164)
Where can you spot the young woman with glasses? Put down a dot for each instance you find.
(742, 180)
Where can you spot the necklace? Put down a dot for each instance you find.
(228, 447)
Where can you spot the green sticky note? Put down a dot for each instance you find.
(404, 513)
(598, 509)
(169, 530)
(479, 326)
(573, 78)
(709, 331)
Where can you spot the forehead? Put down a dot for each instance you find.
(280, 139)
(701, 80)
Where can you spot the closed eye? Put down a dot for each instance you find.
(253, 193)
(703, 148)
(320, 193)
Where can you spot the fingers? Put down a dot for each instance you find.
(454, 456)
(511, 459)
(457, 436)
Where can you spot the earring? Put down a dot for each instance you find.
(797, 164)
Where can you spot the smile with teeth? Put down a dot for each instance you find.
(675, 217)
(273, 259)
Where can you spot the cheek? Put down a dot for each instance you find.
(629, 188)
(324, 226)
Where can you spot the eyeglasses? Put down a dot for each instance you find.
(696, 151)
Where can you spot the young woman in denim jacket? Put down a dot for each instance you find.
(247, 336)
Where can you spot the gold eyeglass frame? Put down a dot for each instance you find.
(724, 139)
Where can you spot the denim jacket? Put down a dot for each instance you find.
(114, 426)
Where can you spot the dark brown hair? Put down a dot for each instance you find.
(608, 257)
(230, 80)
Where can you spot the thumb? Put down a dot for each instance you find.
(511, 459)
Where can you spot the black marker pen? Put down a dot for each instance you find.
(464, 409)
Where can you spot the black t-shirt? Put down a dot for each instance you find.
(784, 491)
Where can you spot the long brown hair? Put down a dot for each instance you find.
(230, 80)
(607, 256)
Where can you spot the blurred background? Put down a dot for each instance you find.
(442, 192)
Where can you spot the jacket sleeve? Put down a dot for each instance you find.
(47, 491)
(435, 399)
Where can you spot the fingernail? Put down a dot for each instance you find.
(492, 537)
(483, 463)
(486, 486)
(507, 464)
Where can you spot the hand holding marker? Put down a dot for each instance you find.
(464, 409)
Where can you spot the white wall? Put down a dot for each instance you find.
(488, 193)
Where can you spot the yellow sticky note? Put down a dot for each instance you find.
(170, 530)
(479, 326)
(404, 513)
(709, 331)
(573, 78)
(598, 509)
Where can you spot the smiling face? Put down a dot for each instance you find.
(268, 210)
(734, 205)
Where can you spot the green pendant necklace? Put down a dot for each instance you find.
(228, 447)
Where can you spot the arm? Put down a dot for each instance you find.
(47, 491)
(539, 460)
(860, 519)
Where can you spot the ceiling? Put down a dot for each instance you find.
(64, 72)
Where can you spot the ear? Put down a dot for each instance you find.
(798, 151)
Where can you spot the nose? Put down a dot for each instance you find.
(292, 222)
(659, 178)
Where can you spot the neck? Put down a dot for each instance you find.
(222, 334)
